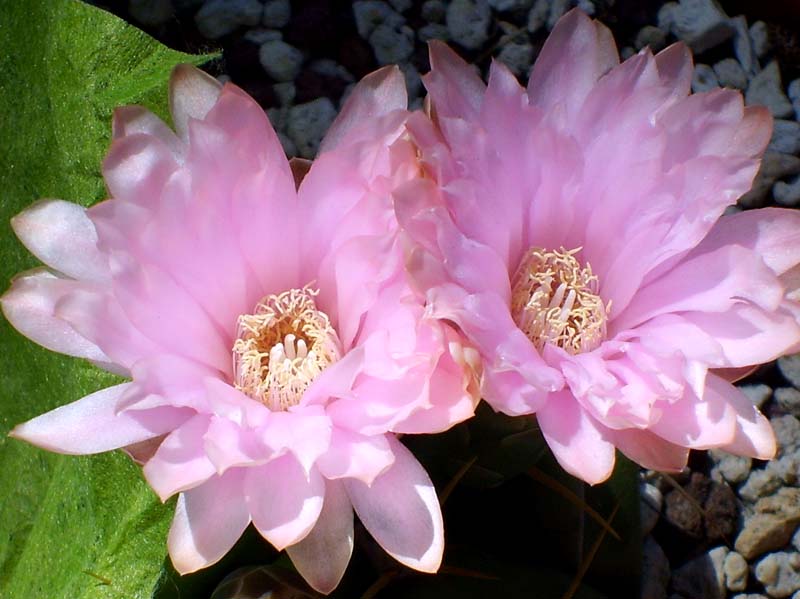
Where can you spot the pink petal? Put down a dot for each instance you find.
(754, 436)
(771, 233)
(181, 462)
(401, 511)
(352, 455)
(229, 445)
(573, 58)
(130, 120)
(30, 306)
(576, 441)
(454, 86)
(322, 556)
(284, 502)
(208, 521)
(675, 68)
(94, 424)
(305, 431)
(61, 235)
(192, 93)
(136, 168)
(375, 95)
(649, 450)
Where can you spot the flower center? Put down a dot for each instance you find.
(554, 300)
(282, 347)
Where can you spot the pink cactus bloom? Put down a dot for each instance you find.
(575, 232)
(272, 340)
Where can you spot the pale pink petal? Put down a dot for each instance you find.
(208, 520)
(181, 462)
(30, 306)
(61, 235)
(754, 436)
(401, 511)
(130, 120)
(454, 86)
(649, 450)
(192, 93)
(375, 95)
(322, 556)
(229, 445)
(136, 167)
(351, 455)
(94, 424)
(576, 440)
(304, 430)
(675, 68)
(283, 500)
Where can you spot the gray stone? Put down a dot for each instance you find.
(468, 22)
(793, 90)
(276, 13)
(786, 468)
(702, 24)
(704, 78)
(735, 568)
(655, 571)
(277, 117)
(401, 5)
(777, 165)
(586, 6)
(796, 540)
(787, 433)
(759, 36)
(789, 397)
(517, 57)
(765, 89)
(433, 31)
(787, 194)
(151, 12)
(732, 468)
(758, 194)
(286, 92)
(785, 137)
(779, 573)
(772, 525)
(760, 483)
(260, 36)
(433, 11)
(789, 367)
(749, 596)
(626, 52)
(369, 14)
(507, 5)
(730, 73)
(651, 36)
(666, 16)
(330, 68)
(650, 505)
(703, 576)
(288, 145)
(391, 44)
(557, 10)
(281, 61)
(537, 16)
(413, 79)
(758, 393)
(217, 18)
(743, 46)
(307, 124)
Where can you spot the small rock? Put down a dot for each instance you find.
(468, 22)
(789, 366)
(793, 90)
(787, 433)
(261, 36)
(704, 78)
(749, 596)
(650, 507)
(391, 44)
(785, 137)
(721, 512)
(507, 5)
(732, 468)
(586, 6)
(779, 573)
(332, 69)
(788, 194)
(276, 13)
(650, 36)
(288, 145)
(517, 57)
(537, 16)
(730, 74)
(787, 467)
(655, 570)
(307, 124)
(217, 18)
(626, 52)
(369, 14)
(557, 10)
(760, 483)
(683, 513)
(735, 568)
(433, 31)
(666, 16)
(789, 397)
(281, 61)
(765, 89)
(702, 24)
(772, 525)
(285, 92)
(758, 393)
(796, 540)
(778, 165)
(401, 5)
(743, 46)
(433, 11)
(759, 36)
(151, 12)
(703, 576)
(413, 79)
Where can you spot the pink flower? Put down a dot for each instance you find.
(272, 340)
(575, 232)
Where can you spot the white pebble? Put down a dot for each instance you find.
(704, 78)
(281, 61)
(730, 73)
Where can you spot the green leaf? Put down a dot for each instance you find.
(71, 527)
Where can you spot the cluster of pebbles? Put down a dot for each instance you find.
(728, 526)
